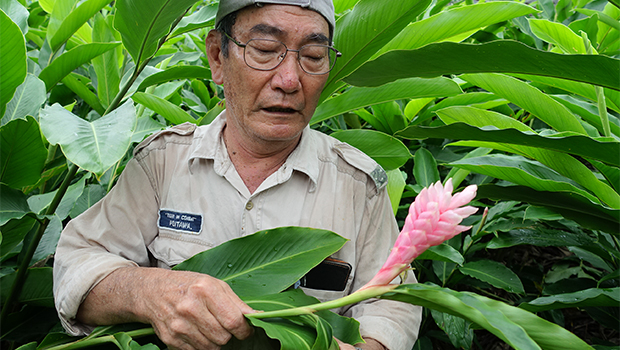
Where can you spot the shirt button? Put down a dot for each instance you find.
(249, 205)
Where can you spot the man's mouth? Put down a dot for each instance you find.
(280, 110)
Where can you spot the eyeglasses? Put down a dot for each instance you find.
(267, 54)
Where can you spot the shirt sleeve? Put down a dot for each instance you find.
(113, 233)
(394, 324)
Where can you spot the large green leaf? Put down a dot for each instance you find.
(60, 9)
(521, 171)
(13, 205)
(72, 59)
(585, 298)
(560, 162)
(75, 20)
(79, 85)
(559, 35)
(37, 289)
(386, 150)
(107, 65)
(266, 262)
(202, 18)
(14, 231)
(143, 23)
(503, 56)
(518, 328)
(22, 153)
(425, 168)
(539, 236)
(38, 203)
(529, 98)
(175, 73)
(589, 112)
(92, 146)
(28, 98)
(396, 185)
(363, 31)
(443, 252)
(344, 328)
(570, 205)
(357, 97)
(17, 12)
(584, 146)
(171, 112)
(494, 273)
(12, 59)
(452, 22)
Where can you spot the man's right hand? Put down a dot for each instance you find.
(187, 310)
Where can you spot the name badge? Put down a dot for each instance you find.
(184, 222)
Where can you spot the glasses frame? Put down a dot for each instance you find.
(338, 54)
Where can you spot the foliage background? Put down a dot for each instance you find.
(520, 99)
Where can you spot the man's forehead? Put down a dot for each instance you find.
(280, 21)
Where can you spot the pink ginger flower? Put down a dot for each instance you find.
(434, 217)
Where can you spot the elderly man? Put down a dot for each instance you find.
(257, 166)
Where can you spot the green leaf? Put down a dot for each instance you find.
(106, 65)
(171, 112)
(559, 35)
(28, 98)
(503, 56)
(75, 20)
(143, 23)
(17, 12)
(175, 73)
(425, 168)
(560, 162)
(363, 31)
(92, 146)
(452, 22)
(202, 18)
(458, 330)
(72, 59)
(529, 98)
(521, 171)
(571, 205)
(22, 153)
(243, 264)
(395, 187)
(49, 240)
(60, 9)
(357, 97)
(541, 237)
(74, 82)
(12, 59)
(14, 204)
(593, 297)
(573, 144)
(40, 202)
(146, 126)
(386, 150)
(91, 195)
(518, 328)
(37, 289)
(494, 273)
(443, 252)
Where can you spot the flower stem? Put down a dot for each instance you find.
(360, 295)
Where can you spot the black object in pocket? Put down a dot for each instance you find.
(331, 274)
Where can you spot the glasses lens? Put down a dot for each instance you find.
(264, 54)
(317, 59)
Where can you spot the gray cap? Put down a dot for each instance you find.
(324, 7)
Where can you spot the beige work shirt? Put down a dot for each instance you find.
(324, 184)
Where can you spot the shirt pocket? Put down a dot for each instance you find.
(171, 248)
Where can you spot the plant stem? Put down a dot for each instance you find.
(86, 342)
(32, 247)
(362, 294)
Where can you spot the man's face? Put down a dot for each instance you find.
(271, 105)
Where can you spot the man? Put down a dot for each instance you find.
(257, 166)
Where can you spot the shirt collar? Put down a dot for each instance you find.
(209, 144)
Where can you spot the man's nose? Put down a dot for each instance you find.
(287, 74)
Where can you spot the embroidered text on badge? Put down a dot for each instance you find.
(185, 222)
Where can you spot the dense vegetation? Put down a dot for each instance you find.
(520, 99)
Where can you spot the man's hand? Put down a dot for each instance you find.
(370, 344)
(187, 310)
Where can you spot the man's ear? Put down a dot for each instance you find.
(215, 56)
